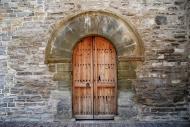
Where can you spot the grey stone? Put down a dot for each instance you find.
(2, 51)
(2, 81)
(161, 20)
(3, 105)
(154, 88)
(92, 124)
(11, 104)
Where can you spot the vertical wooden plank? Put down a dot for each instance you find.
(105, 68)
(91, 76)
(82, 95)
(94, 67)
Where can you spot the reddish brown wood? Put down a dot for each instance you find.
(104, 78)
(83, 76)
(94, 79)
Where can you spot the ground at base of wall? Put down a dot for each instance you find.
(95, 124)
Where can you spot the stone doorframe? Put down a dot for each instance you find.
(67, 32)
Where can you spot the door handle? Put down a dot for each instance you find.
(87, 84)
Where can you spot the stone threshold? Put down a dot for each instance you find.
(95, 123)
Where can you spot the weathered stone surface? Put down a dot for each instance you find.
(94, 124)
(99, 22)
(126, 74)
(126, 106)
(64, 76)
(124, 84)
(156, 89)
(61, 105)
(63, 67)
(161, 20)
(2, 81)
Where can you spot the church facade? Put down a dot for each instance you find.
(65, 60)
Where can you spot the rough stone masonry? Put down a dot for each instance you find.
(157, 89)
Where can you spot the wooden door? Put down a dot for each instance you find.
(83, 79)
(94, 79)
(104, 79)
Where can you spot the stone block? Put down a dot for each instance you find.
(127, 113)
(8, 100)
(15, 91)
(161, 20)
(62, 76)
(6, 38)
(123, 66)
(24, 73)
(2, 81)
(162, 109)
(181, 109)
(31, 92)
(11, 104)
(22, 98)
(64, 85)
(3, 105)
(62, 105)
(124, 84)
(175, 81)
(35, 98)
(61, 67)
(177, 50)
(126, 74)
(126, 98)
(51, 67)
(2, 51)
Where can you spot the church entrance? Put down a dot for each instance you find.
(94, 79)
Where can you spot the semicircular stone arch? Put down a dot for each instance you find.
(112, 26)
(117, 30)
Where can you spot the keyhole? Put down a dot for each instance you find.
(99, 79)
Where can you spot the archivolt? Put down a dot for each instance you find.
(107, 24)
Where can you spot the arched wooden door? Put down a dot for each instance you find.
(94, 79)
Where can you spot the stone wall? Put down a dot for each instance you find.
(114, 27)
(163, 90)
(31, 90)
(188, 49)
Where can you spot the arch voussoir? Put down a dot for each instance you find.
(102, 23)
